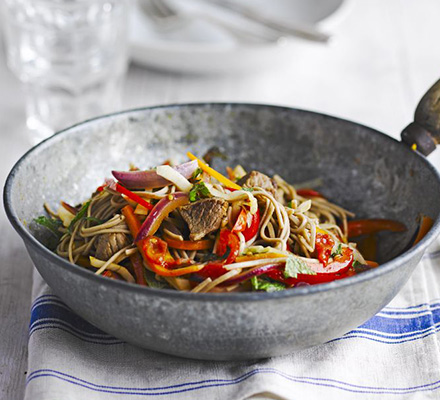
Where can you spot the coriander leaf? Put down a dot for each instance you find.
(268, 286)
(248, 189)
(356, 263)
(50, 223)
(193, 194)
(359, 267)
(153, 282)
(79, 215)
(196, 173)
(295, 266)
(254, 282)
(257, 250)
(337, 251)
(198, 191)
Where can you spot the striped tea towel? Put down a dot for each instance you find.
(396, 354)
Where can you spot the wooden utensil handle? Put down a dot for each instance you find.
(424, 133)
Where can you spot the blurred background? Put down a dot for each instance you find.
(369, 61)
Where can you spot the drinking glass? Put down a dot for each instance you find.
(70, 55)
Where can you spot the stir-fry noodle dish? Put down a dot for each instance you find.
(189, 227)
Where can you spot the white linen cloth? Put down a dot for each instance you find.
(394, 355)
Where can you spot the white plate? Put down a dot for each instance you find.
(204, 47)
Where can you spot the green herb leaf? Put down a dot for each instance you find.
(268, 286)
(81, 213)
(295, 266)
(153, 282)
(50, 223)
(337, 251)
(359, 267)
(289, 204)
(248, 189)
(257, 250)
(198, 191)
(196, 173)
(356, 263)
(96, 220)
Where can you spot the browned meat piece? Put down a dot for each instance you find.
(204, 216)
(108, 244)
(257, 179)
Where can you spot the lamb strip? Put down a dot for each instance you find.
(108, 244)
(204, 216)
(258, 179)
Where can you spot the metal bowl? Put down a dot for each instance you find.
(361, 169)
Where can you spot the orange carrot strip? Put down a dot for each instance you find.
(131, 220)
(373, 264)
(425, 225)
(188, 244)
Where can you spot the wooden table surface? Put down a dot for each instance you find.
(383, 58)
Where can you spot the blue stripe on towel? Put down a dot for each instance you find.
(209, 383)
(50, 313)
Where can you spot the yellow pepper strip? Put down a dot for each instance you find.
(141, 210)
(259, 257)
(222, 179)
(162, 271)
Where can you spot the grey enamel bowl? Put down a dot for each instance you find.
(361, 169)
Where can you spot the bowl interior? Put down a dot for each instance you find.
(360, 169)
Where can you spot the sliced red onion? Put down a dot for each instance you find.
(159, 212)
(253, 272)
(150, 179)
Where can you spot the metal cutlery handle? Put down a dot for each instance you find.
(294, 29)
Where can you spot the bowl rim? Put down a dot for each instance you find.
(385, 268)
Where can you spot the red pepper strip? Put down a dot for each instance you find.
(241, 225)
(228, 241)
(425, 225)
(134, 197)
(155, 253)
(334, 270)
(108, 274)
(369, 226)
(99, 189)
(310, 279)
(138, 269)
(323, 247)
(308, 193)
(212, 270)
(188, 244)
